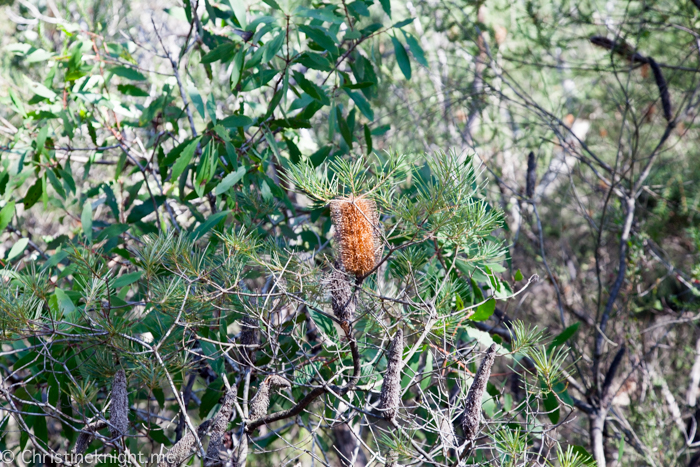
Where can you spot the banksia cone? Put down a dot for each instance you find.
(391, 388)
(87, 435)
(218, 430)
(357, 233)
(261, 401)
(119, 408)
(472, 406)
(249, 338)
(342, 300)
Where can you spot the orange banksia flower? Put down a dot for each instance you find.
(357, 233)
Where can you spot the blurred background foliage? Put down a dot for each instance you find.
(145, 143)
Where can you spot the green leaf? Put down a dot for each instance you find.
(321, 37)
(127, 279)
(319, 156)
(65, 304)
(33, 194)
(55, 183)
(518, 275)
(325, 324)
(273, 46)
(237, 69)
(184, 159)
(207, 225)
(361, 104)
(222, 52)
(86, 220)
(551, 405)
(236, 121)
(238, 8)
(358, 8)
(402, 58)
(565, 335)
(142, 210)
(312, 89)
(6, 215)
(18, 248)
(368, 139)
(127, 73)
(386, 6)
(294, 153)
(229, 180)
(581, 451)
(197, 100)
(131, 90)
(403, 23)
(325, 14)
(484, 311)
(315, 61)
(416, 49)
(344, 128)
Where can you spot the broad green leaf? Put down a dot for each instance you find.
(416, 49)
(565, 335)
(518, 275)
(484, 311)
(197, 100)
(127, 279)
(131, 90)
(142, 210)
(321, 37)
(239, 10)
(222, 52)
(386, 6)
(551, 405)
(325, 13)
(402, 58)
(65, 304)
(207, 225)
(236, 121)
(33, 194)
(361, 103)
(312, 89)
(6, 214)
(184, 159)
(86, 220)
(403, 23)
(229, 180)
(273, 46)
(18, 248)
(344, 128)
(237, 69)
(127, 73)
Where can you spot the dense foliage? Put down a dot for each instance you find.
(300, 232)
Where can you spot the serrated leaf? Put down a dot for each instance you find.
(229, 180)
(184, 159)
